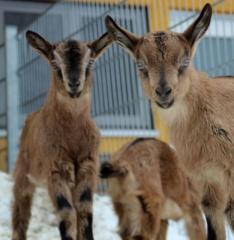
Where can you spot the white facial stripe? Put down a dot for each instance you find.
(86, 60)
(58, 60)
(88, 63)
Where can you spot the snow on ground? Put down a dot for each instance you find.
(43, 225)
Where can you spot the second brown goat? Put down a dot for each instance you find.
(148, 187)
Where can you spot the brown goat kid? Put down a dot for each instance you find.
(147, 186)
(59, 143)
(199, 111)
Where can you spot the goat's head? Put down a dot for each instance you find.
(71, 60)
(163, 58)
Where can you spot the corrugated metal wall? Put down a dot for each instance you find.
(119, 106)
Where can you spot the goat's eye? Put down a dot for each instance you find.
(142, 68)
(181, 69)
(184, 65)
(91, 63)
(90, 66)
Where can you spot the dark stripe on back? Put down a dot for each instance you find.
(210, 230)
(138, 140)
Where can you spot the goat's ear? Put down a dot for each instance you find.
(198, 28)
(124, 38)
(39, 44)
(99, 45)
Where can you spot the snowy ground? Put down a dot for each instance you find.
(43, 223)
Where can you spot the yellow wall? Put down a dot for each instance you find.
(227, 6)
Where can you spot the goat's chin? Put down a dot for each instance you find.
(75, 95)
(165, 105)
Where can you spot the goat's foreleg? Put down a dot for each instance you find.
(150, 220)
(23, 192)
(194, 220)
(59, 188)
(230, 214)
(86, 180)
(214, 204)
(162, 235)
(124, 221)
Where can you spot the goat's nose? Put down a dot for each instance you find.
(74, 84)
(163, 91)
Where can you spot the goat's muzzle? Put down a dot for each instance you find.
(74, 94)
(164, 96)
(165, 104)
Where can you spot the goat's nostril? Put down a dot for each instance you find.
(158, 91)
(168, 91)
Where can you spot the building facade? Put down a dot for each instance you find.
(119, 106)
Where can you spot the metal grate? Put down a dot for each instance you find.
(119, 106)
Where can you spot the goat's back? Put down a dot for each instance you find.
(151, 165)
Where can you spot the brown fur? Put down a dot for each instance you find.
(199, 112)
(147, 186)
(59, 146)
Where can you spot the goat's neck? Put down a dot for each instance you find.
(194, 102)
(60, 104)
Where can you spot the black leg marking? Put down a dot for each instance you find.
(88, 232)
(63, 203)
(210, 230)
(62, 229)
(86, 196)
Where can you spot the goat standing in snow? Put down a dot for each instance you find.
(198, 110)
(59, 143)
(147, 186)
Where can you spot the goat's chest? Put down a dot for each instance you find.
(82, 140)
